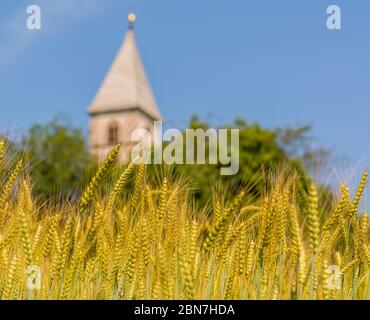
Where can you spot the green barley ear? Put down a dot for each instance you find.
(98, 178)
(313, 218)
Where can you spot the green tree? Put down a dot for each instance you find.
(58, 157)
(261, 152)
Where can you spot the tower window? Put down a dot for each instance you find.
(113, 133)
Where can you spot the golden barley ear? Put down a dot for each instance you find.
(25, 236)
(121, 182)
(359, 193)
(138, 185)
(2, 145)
(313, 218)
(28, 202)
(219, 226)
(98, 178)
(186, 275)
(5, 193)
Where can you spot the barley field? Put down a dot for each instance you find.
(147, 239)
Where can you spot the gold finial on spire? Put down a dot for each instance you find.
(131, 19)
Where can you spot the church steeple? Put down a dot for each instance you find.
(124, 102)
(126, 85)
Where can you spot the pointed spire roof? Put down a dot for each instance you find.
(126, 85)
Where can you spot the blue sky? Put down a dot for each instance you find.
(274, 62)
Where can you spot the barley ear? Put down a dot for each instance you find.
(98, 178)
(138, 185)
(2, 145)
(7, 191)
(123, 179)
(313, 218)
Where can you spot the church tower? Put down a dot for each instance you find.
(124, 102)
